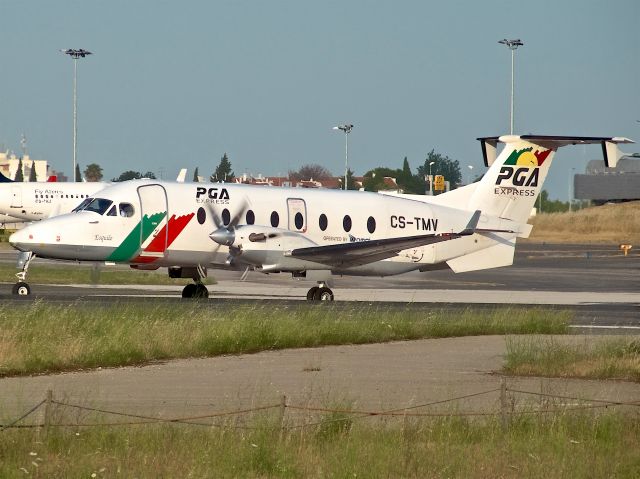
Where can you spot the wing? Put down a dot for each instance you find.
(348, 255)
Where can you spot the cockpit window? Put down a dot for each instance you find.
(112, 211)
(98, 205)
(82, 205)
(126, 210)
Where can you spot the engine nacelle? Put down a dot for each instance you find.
(264, 248)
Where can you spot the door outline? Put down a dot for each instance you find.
(155, 198)
(296, 205)
(16, 197)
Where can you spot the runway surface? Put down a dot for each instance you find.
(597, 282)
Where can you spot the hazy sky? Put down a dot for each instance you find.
(177, 83)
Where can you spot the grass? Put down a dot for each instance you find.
(85, 274)
(617, 223)
(563, 445)
(617, 358)
(41, 337)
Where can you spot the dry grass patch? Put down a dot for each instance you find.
(590, 358)
(616, 223)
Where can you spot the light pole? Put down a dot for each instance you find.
(513, 46)
(569, 188)
(470, 173)
(75, 54)
(431, 178)
(347, 129)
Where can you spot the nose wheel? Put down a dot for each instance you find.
(320, 293)
(22, 288)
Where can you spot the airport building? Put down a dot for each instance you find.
(9, 164)
(602, 185)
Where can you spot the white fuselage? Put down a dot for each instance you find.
(171, 224)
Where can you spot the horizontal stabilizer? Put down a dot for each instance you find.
(500, 254)
(609, 144)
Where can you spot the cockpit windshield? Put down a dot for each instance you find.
(81, 206)
(98, 205)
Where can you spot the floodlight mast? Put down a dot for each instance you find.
(346, 128)
(513, 46)
(75, 54)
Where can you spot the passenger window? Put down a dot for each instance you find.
(251, 217)
(371, 224)
(112, 211)
(322, 222)
(226, 217)
(299, 221)
(126, 210)
(275, 219)
(346, 223)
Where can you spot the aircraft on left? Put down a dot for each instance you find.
(32, 201)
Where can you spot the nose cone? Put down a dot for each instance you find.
(23, 239)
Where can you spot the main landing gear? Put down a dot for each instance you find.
(320, 293)
(22, 288)
(197, 289)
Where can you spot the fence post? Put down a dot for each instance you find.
(504, 412)
(47, 411)
(283, 407)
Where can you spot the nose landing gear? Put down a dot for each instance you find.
(22, 288)
(320, 293)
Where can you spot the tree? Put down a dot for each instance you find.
(351, 183)
(78, 175)
(223, 171)
(93, 172)
(134, 175)
(374, 179)
(549, 206)
(19, 173)
(195, 175)
(443, 165)
(32, 173)
(311, 172)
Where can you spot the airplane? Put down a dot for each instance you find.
(310, 233)
(32, 201)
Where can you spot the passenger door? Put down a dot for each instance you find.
(154, 214)
(297, 214)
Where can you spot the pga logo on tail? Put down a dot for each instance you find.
(522, 167)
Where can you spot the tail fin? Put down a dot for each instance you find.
(514, 180)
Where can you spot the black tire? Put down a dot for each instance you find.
(323, 294)
(21, 289)
(311, 293)
(189, 291)
(201, 291)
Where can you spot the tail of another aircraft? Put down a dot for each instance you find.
(4, 179)
(515, 178)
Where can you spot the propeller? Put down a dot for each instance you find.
(225, 235)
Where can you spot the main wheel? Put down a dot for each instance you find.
(312, 293)
(21, 289)
(189, 291)
(201, 291)
(323, 294)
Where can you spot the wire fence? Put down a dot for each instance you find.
(505, 411)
